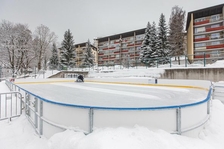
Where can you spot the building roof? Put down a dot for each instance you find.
(84, 45)
(117, 36)
(204, 12)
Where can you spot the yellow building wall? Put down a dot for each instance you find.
(190, 40)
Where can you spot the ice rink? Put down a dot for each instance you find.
(115, 95)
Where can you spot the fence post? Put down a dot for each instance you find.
(21, 102)
(208, 106)
(204, 59)
(185, 60)
(40, 118)
(170, 61)
(178, 121)
(27, 112)
(36, 110)
(90, 120)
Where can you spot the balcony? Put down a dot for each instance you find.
(209, 20)
(202, 22)
(215, 46)
(124, 51)
(214, 29)
(201, 39)
(109, 48)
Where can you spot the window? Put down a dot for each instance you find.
(200, 29)
(215, 43)
(199, 36)
(215, 18)
(215, 25)
(199, 19)
(215, 52)
(199, 45)
(215, 35)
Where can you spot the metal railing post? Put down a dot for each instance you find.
(208, 106)
(21, 102)
(185, 61)
(40, 118)
(170, 61)
(90, 120)
(27, 103)
(36, 110)
(6, 106)
(178, 121)
(204, 59)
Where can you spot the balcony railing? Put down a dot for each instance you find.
(202, 22)
(214, 29)
(201, 39)
(208, 21)
(215, 46)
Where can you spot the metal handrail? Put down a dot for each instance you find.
(9, 107)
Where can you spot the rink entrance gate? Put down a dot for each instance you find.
(10, 105)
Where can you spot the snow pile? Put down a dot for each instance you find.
(142, 138)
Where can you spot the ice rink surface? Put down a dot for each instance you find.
(115, 95)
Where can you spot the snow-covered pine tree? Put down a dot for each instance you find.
(54, 61)
(163, 50)
(145, 48)
(68, 50)
(154, 42)
(88, 60)
(149, 54)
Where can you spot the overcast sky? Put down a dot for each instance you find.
(88, 19)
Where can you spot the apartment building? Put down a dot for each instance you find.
(80, 49)
(120, 49)
(205, 33)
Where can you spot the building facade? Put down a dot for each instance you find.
(205, 33)
(80, 50)
(120, 49)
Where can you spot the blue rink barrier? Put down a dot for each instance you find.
(50, 117)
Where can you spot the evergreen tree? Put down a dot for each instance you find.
(154, 41)
(162, 40)
(68, 50)
(148, 53)
(88, 55)
(145, 48)
(54, 62)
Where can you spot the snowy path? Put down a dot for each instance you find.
(111, 95)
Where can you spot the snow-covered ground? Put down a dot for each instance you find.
(19, 134)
